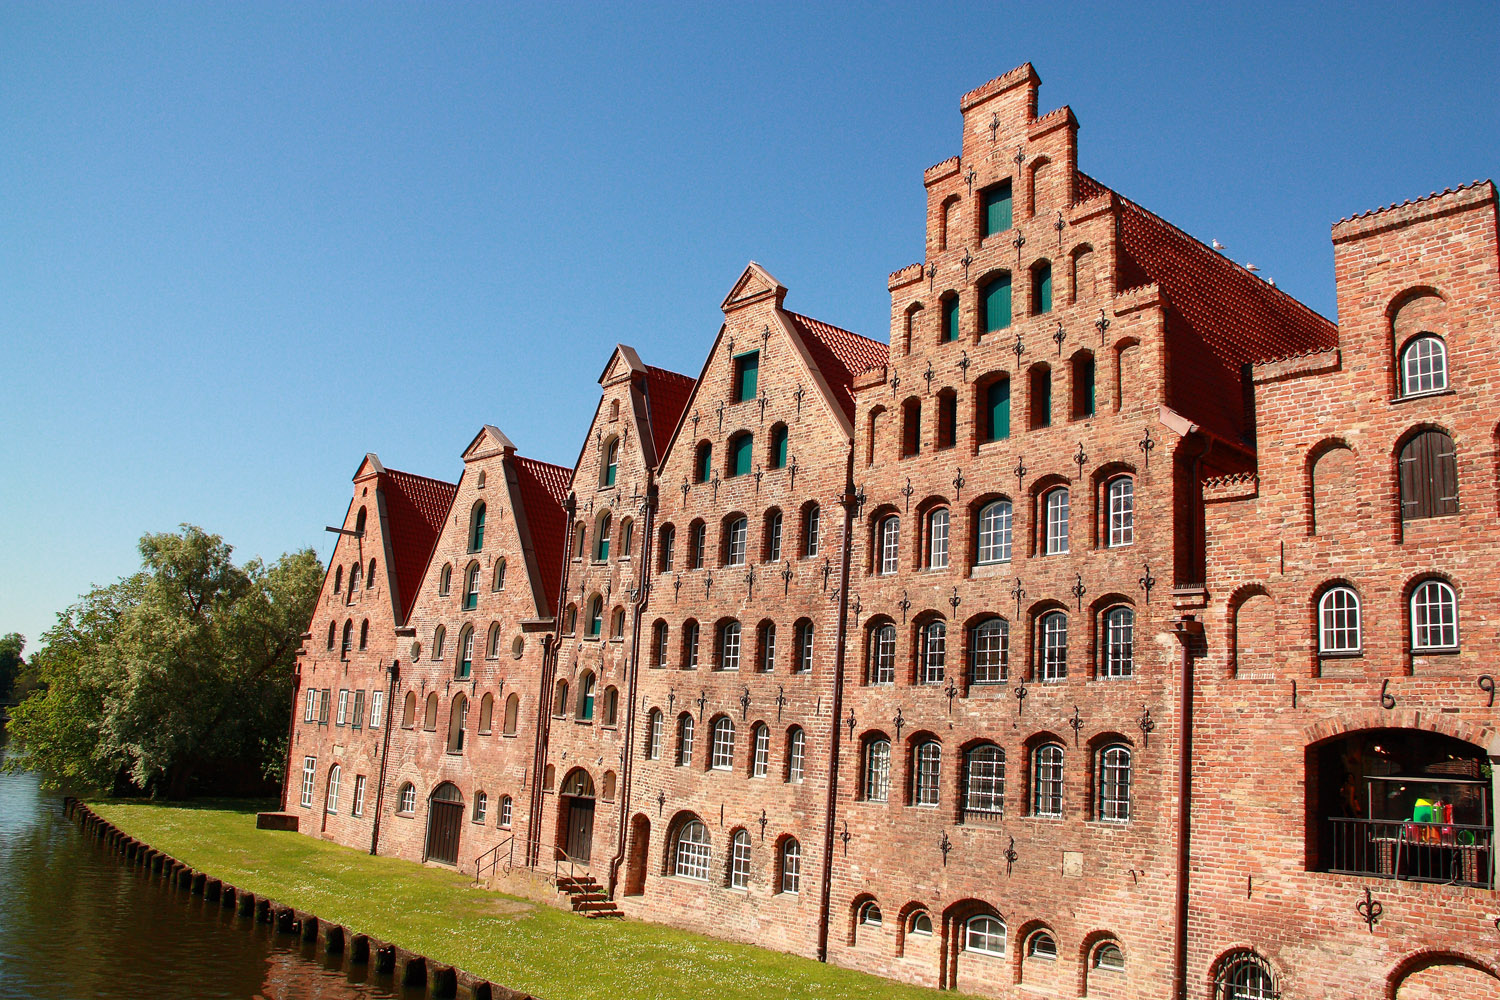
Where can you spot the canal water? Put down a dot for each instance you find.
(75, 922)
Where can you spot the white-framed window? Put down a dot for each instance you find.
(309, 772)
(920, 924)
(1047, 780)
(739, 861)
(311, 711)
(335, 775)
(684, 740)
(796, 754)
(690, 645)
(870, 915)
(984, 782)
(343, 715)
(995, 520)
(1055, 521)
(1434, 616)
(1119, 643)
(791, 865)
(810, 536)
(653, 735)
(937, 539)
(934, 652)
(1244, 975)
(729, 646)
(693, 851)
(989, 652)
(1054, 658)
(877, 784)
(739, 530)
(760, 762)
(883, 655)
(985, 935)
(1424, 365)
(505, 809)
(926, 771)
(1114, 784)
(1120, 496)
(407, 801)
(804, 647)
(1042, 945)
(377, 703)
(481, 806)
(1109, 957)
(359, 795)
(773, 537)
(890, 545)
(439, 636)
(698, 544)
(767, 648)
(1338, 621)
(722, 756)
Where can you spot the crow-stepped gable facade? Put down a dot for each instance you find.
(1120, 628)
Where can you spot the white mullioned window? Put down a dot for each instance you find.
(505, 809)
(739, 530)
(791, 865)
(804, 647)
(760, 762)
(1055, 522)
(693, 851)
(1047, 780)
(1114, 784)
(481, 806)
(685, 740)
(722, 756)
(877, 771)
(989, 652)
(408, 800)
(377, 704)
(690, 645)
(934, 652)
(890, 545)
(985, 935)
(773, 538)
(927, 769)
(1054, 658)
(883, 655)
(810, 539)
(739, 861)
(937, 539)
(309, 772)
(1121, 499)
(1338, 621)
(1434, 616)
(729, 646)
(335, 775)
(311, 711)
(984, 782)
(343, 715)
(767, 648)
(359, 795)
(1119, 643)
(796, 754)
(653, 735)
(1424, 366)
(995, 520)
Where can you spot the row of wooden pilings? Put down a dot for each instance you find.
(404, 967)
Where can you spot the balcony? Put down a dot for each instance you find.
(1449, 853)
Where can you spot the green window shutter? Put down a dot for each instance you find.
(997, 209)
(1044, 288)
(611, 463)
(744, 447)
(746, 374)
(705, 463)
(950, 318)
(778, 448)
(997, 304)
(997, 402)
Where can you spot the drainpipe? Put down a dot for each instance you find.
(385, 752)
(1188, 630)
(849, 501)
(291, 729)
(627, 765)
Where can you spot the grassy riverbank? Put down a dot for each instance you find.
(552, 953)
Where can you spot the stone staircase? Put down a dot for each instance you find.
(588, 896)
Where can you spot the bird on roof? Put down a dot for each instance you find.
(1251, 268)
(1271, 282)
(1216, 245)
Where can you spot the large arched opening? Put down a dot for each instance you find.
(445, 817)
(575, 815)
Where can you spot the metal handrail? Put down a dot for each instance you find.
(559, 856)
(1453, 853)
(509, 843)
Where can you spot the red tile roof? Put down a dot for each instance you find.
(667, 394)
(544, 491)
(840, 355)
(415, 509)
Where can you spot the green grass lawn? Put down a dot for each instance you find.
(553, 953)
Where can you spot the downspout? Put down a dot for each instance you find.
(849, 501)
(627, 766)
(385, 751)
(551, 646)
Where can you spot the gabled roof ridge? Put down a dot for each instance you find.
(417, 507)
(668, 373)
(1412, 201)
(417, 475)
(840, 355)
(836, 329)
(556, 478)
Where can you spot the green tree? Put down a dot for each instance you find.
(173, 672)
(11, 663)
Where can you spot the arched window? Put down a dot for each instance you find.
(1114, 784)
(627, 536)
(689, 645)
(934, 652)
(1055, 521)
(497, 583)
(703, 461)
(766, 657)
(771, 541)
(659, 644)
(791, 865)
(920, 924)
(1434, 616)
(950, 317)
(614, 410)
(580, 541)
(364, 634)
(693, 852)
(347, 643)
(984, 783)
(776, 459)
(601, 536)
(736, 537)
(668, 547)
(994, 533)
(471, 588)
(989, 652)
(1244, 975)
(810, 531)
(610, 466)
(476, 528)
(458, 717)
(1429, 476)
(1047, 780)
(804, 650)
(947, 419)
(937, 538)
(1338, 621)
(617, 624)
(596, 616)
(359, 521)
(926, 773)
(796, 754)
(486, 714)
(1424, 365)
(445, 580)
(869, 914)
(466, 652)
(994, 409)
(1052, 663)
(512, 714)
(684, 740)
(697, 544)
(406, 799)
(882, 669)
(994, 303)
(334, 774)
(586, 697)
(409, 711)
(353, 580)
(481, 806)
(1041, 396)
(1119, 643)
(370, 576)
(739, 860)
(570, 619)
(888, 558)
(911, 427)
(1041, 287)
(1109, 957)
(1082, 365)
(439, 639)
(729, 646)
(741, 457)
(985, 935)
(492, 642)
(760, 759)
(560, 699)
(333, 634)
(721, 756)
(653, 735)
(1042, 945)
(338, 580)
(877, 783)
(1120, 502)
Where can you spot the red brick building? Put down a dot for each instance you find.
(1119, 631)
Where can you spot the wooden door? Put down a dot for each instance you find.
(580, 828)
(443, 824)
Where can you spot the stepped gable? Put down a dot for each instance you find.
(667, 394)
(544, 491)
(416, 507)
(840, 355)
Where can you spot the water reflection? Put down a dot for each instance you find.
(76, 922)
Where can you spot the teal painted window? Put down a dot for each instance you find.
(997, 410)
(950, 318)
(471, 589)
(586, 698)
(1041, 287)
(611, 461)
(703, 469)
(741, 450)
(997, 206)
(476, 533)
(778, 446)
(601, 544)
(994, 301)
(596, 616)
(1083, 386)
(746, 373)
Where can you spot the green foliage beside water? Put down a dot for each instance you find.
(178, 673)
(553, 953)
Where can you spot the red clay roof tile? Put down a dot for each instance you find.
(667, 395)
(416, 507)
(840, 355)
(544, 490)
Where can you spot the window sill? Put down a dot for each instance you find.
(1450, 391)
(583, 722)
(1435, 651)
(1341, 654)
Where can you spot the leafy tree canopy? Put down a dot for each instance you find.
(172, 673)
(11, 648)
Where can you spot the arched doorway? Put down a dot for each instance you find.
(445, 816)
(640, 847)
(576, 815)
(1441, 977)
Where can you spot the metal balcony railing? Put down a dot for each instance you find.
(1452, 853)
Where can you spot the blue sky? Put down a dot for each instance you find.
(241, 245)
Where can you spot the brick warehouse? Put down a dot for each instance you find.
(1120, 629)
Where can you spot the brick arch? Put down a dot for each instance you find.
(1240, 664)
(854, 909)
(1118, 353)
(908, 911)
(1329, 449)
(1021, 935)
(1091, 942)
(1437, 958)
(1486, 737)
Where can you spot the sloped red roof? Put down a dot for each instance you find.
(840, 355)
(544, 490)
(415, 508)
(667, 395)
